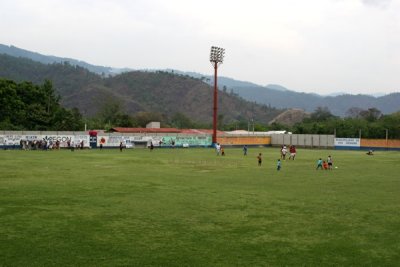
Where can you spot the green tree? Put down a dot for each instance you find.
(354, 112)
(68, 120)
(391, 123)
(143, 118)
(371, 114)
(50, 99)
(179, 120)
(124, 120)
(321, 114)
(25, 106)
(109, 112)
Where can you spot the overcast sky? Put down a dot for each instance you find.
(320, 46)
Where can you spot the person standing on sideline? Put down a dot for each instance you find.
(278, 165)
(120, 146)
(319, 164)
(330, 162)
(218, 148)
(259, 157)
(151, 146)
(245, 150)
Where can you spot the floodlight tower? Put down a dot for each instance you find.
(216, 58)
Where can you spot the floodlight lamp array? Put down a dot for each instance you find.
(217, 54)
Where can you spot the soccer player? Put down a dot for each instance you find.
(218, 149)
(292, 150)
(330, 162)
(319, 164)
(325, 165)
(259, 157)
(283, 152)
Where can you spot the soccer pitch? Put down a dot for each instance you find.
(189, 207)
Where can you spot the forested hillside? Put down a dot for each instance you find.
(165, 93)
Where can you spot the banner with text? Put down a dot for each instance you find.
(347, 143)
(15, 140)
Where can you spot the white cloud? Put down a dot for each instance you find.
(377, 3)
(324, 45)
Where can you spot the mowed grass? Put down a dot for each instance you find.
(188, 207)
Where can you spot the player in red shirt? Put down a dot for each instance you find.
(292, 151)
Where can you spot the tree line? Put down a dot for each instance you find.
(367, 123)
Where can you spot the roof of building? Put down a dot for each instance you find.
(145, 130)
(200, 131)
(244, 132)
(163, 130)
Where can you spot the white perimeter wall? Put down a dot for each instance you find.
(304, 140)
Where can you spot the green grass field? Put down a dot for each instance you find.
(188, 207)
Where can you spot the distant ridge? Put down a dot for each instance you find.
(18, 52)
(277, 87)
(338, 105)
(275, 95)
(272, 95)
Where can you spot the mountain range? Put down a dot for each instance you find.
(272, 95)
(18, 52)
(338, 105)
(135, 91)
(275, 95)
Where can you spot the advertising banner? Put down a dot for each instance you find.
(16, 140)
(347, 143)
(113, 140)
(162, 141)
(190, 141)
